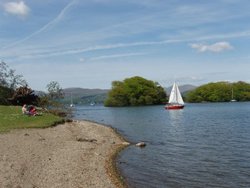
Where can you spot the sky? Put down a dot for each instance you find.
(90, 43)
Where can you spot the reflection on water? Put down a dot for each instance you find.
(175, 117)
(203, 145)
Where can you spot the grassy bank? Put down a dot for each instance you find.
(11, 117)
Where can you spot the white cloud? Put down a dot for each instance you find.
(216, 47)
(17, 8)
(45, 27)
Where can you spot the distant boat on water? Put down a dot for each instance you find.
(232, 99)
(175, 99)
(71, 101)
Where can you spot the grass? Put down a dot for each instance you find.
(11, 117)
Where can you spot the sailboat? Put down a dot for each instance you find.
(71, 101)
(175, 99)
(233, 100)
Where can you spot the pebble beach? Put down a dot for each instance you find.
(76, 154)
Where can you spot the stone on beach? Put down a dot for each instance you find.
(141, 144)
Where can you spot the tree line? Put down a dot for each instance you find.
(138, 91)
(220, 92)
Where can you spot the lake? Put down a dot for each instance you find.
(203, 145)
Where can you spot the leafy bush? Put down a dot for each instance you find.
(135, 91)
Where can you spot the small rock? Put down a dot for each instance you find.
(122, 162)
(125, 143)
(141, 144)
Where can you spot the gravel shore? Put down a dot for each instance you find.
(71, 155)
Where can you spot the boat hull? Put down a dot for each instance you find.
(174, 107)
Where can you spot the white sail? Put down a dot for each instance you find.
(175, 96)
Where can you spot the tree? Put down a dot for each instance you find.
(9, 82)
(5, 93)
(135, 91)
(51, 100)
(9, 79)
(24, 95)
(52, 97)
(55, 91)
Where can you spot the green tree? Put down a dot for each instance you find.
(241, 91)
(135, 91)
(9, 79)
(220, 92)
(52, 100)
(9, 82)
(55, 92)
(24, 95)
(5, 93)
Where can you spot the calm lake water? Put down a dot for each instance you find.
(203, 145)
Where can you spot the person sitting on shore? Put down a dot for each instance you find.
(32, 111)
(25, 110)
(29, 110)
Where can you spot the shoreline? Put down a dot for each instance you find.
(75, 154)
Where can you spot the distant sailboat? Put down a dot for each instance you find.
(175, 99)
(71, 101)
(92, 104)
(232, 99)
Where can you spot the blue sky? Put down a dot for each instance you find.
(90, 43)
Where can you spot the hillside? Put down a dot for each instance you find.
(83, 92)
(84, 96)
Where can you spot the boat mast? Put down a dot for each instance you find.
(232, 93)
(176, 94)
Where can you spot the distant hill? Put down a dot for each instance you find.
(83, 92)
(84, 96)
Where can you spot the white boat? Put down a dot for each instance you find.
(71, 101)
(233, 100)
(175, 99)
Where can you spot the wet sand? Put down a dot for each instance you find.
(72, 155)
